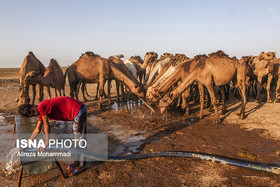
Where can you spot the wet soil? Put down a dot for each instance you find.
(133, 129)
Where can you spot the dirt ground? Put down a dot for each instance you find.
(132, 129)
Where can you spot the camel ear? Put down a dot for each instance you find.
(261, 56)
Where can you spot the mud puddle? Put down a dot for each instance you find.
(131, 104)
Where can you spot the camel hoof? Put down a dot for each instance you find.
(276, 101)
(242, 117)
(258, 101)
(217, 121)
(200, 116)
(238, 114)
(269, 101)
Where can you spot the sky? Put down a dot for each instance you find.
(65, 29)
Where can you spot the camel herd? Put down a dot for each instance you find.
(159, 81)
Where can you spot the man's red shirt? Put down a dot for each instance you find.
(59, 108)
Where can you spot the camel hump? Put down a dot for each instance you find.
(219, 53)
(88, 54)
(54, 63)
(31, 53)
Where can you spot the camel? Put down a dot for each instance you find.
(218, 69)
(261, 66)
(141, 65)
(275, 74)
(131, 67)
(155, 68)
(30, 63)
(119, 56)
(176, 72)
(119, 64)
(91, 68)
(53, 78)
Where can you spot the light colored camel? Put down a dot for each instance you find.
(261, 66)
(53, 78)
(218, 69)
(30, 63)
(154, 69)
(141, 65)
(131, 67)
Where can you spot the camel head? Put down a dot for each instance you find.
(150, 56)
(119, 56)
(181, 57)
(168, 55)
(31, 77)
(152, 95)
(22, 99)
(139, 90)
(165, 102)
(267, 56)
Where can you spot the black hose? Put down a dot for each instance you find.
(272, 168)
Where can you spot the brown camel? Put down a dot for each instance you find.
(117, 64)
(261, 66)
(276, 75)
(141, 65)
(91, 68)
(218, 69)
(30, 63)
(176, 73)
(53, 78)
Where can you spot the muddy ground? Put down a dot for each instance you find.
(132, 129)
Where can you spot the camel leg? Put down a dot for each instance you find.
(223, 93)
(77, 89)
(277, 90)
(269, 79)
(123, 92)
(83, 88)
(55, 92)
(41, 93)
(186, 101)
(213, 101)
(243, 100)
(259, 85)
(34, 93)
(97, 90)
(101, 91)
(118, 89)
(49, 91)
(201, 95)
(179, 100)
(109, 90)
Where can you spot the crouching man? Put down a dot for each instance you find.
(63, 109)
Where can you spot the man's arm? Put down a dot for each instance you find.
(46, 129)
(37, 130)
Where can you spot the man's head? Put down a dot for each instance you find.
(28, 110)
